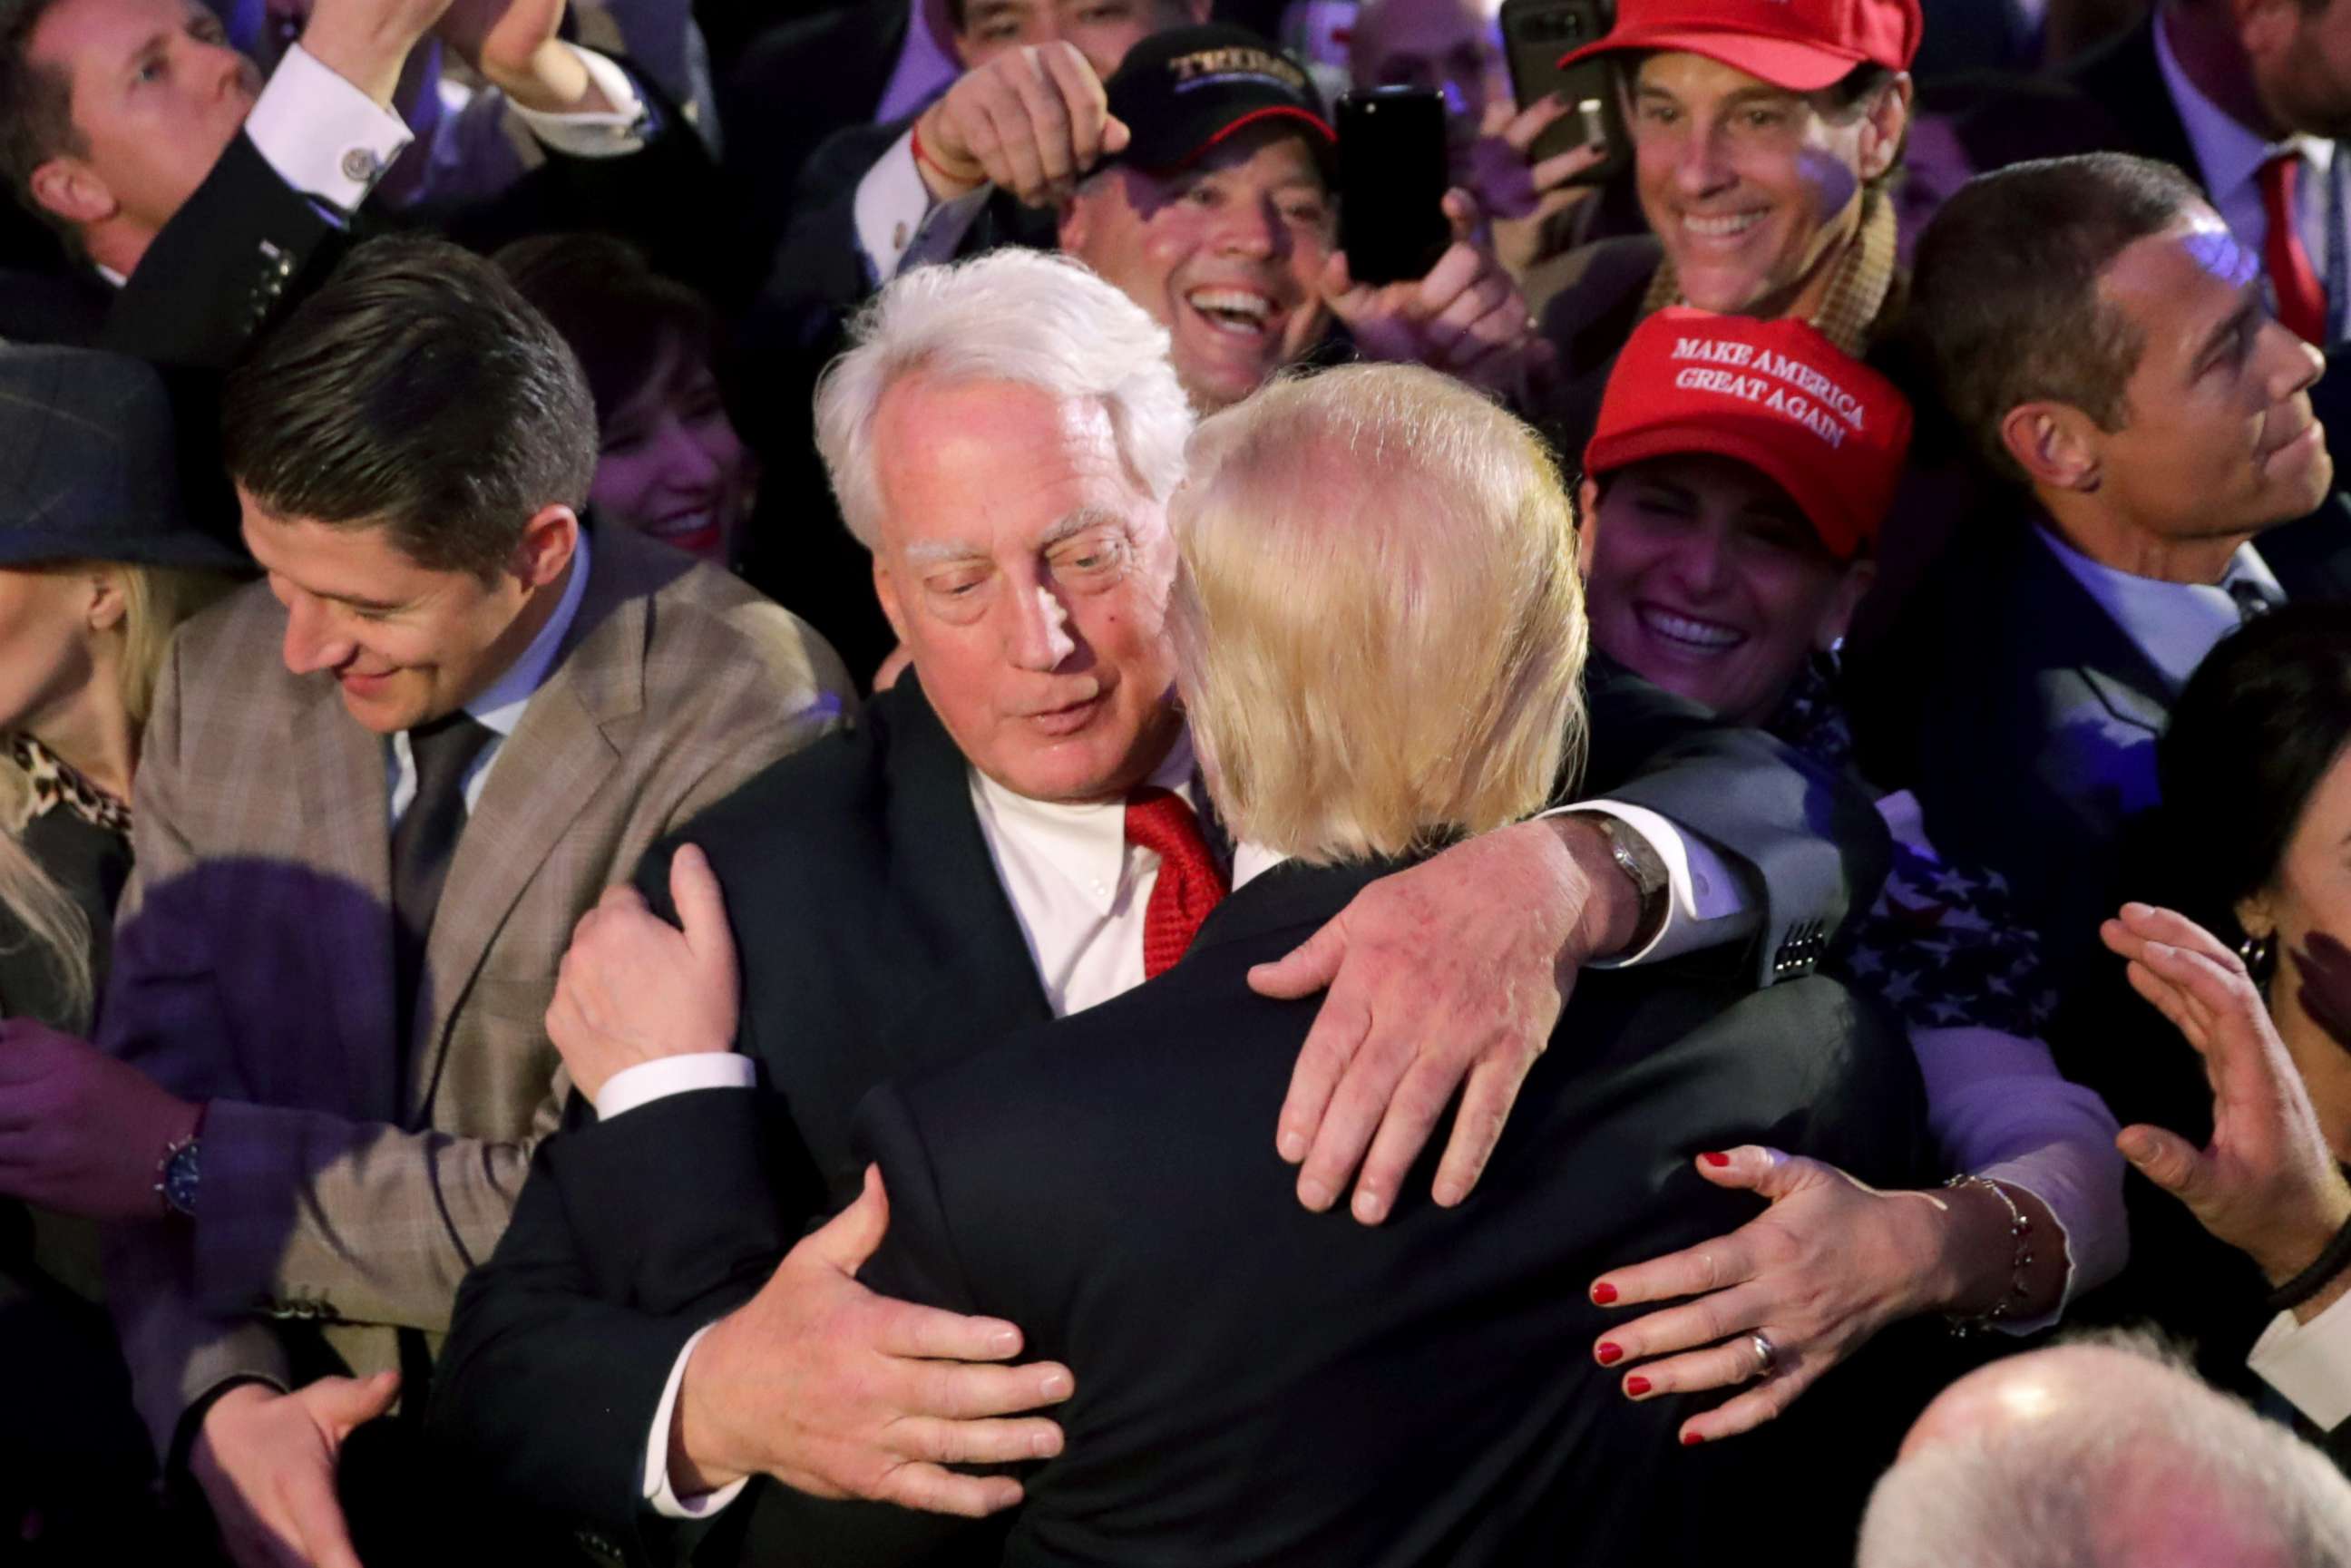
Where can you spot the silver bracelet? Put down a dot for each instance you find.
(2020, 1231)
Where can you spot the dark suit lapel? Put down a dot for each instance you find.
(555, 761)
(340, 770)
(2078, 633)
(941, 863)
(1290, 895)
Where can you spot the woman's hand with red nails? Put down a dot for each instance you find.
(1830, 1263)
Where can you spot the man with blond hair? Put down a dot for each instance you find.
(1015, 834)
(1256, 1382)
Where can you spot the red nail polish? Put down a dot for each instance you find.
(1636, 1385)
(1603, 1293)
(1691, 1440)
(1610, 1354)
(1717, 1160)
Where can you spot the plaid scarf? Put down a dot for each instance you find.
(1862, 295)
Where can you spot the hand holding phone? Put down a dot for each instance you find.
(1391, 182)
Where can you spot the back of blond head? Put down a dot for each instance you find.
(1014, 316)
(1379, 626)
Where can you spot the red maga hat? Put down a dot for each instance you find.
(1775, 395)
(1800, 44)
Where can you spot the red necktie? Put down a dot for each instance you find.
(1190, 884)
(2301, 302)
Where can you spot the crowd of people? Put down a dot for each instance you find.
(776, 788)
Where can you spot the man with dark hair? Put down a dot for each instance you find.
(133, 128)
(2102, 337)
(452, 694)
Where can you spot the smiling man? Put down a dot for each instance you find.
(2102, 340)
(376, 793)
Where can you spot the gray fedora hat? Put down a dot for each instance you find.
(88, 465)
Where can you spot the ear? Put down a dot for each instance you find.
(72, 189)
(1884, 122)
(885, 588)
(1074, 223)
(2268, 29)
(107, 605)
(2055, 443)
(2256, 917)
(1587, 532)
(1836, 618)
(548, 542)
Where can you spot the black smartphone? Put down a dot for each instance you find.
(1536, 35)
(1391, 179)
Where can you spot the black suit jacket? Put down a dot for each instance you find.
(1260, 1385)
(2026, 720)
(877, 944)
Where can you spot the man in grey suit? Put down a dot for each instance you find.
(376, 794)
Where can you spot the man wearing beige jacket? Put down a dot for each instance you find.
(376, 793)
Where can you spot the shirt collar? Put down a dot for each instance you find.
(1251, 860)
(2175, 625)
(1086, 844)
(499, 708)
(2230, 153)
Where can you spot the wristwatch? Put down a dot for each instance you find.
(1642, 866)
(177, 1172)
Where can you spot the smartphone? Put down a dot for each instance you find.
(1392, 177)
(1536, 34)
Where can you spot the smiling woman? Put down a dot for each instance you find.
(670, 463)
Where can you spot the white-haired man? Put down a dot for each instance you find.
(2104, 1452)
(1012, 836)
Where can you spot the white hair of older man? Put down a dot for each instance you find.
(1014, 316)
(2071, 1488)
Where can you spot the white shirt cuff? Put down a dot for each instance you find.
(600, 134)
(1704, 906)
(2310, 1362)
(647, 1082)
(658, 1491)
(897, 225)
(325, 137)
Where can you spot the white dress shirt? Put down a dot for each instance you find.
(332, 143)
(2310, 1363)
(2229, 156)
(500, 705)
(2175, 625)
(898, 224)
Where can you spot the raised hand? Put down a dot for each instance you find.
(367, 42)
(840, 1393)
(2267, 1183)
(1524, 198)
(633, 989)
(266, 1460)
(514, 45)
(1446, 977)
(1033, 120)
(1466, 317)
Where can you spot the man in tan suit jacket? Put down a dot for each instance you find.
(343, 1175)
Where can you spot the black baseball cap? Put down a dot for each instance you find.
(1182, 91)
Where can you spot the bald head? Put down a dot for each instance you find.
(2103, 1453)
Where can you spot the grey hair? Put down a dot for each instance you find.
(1016, 316)
(2058, 1491)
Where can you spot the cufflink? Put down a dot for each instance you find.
(360, 166)
(898, 237)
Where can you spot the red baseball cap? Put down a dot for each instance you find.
(1800, 44)
(1775, 395)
